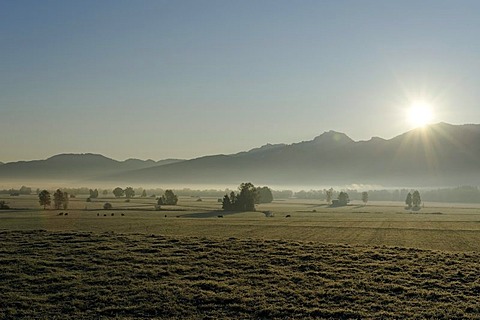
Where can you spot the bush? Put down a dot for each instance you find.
(107, 206)
(3, 205)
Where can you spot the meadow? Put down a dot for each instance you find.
(186, 262)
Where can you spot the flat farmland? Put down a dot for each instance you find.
(436, 226)
(194, 261)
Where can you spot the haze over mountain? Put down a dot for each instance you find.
(71, 168)
(434, 156)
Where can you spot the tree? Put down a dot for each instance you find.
(343, 199)
(329, 195)
(44, 198)
(416, 201)
(118, 192)
(169, 198)
(264, 195)
(107, 206)
(226, 203)
(243, 201)
(409, 200)
(248, 197)
(65, 200)
(58, 199)
(144, 193)
(129, 192)
(365, 197)
(93, 193)
(105, 192)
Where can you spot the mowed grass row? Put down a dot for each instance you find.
(78, 275)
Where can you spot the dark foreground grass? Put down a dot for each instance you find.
(89, 276)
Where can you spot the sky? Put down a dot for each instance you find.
(183, 79)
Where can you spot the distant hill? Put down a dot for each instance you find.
(438, 155)
(435, 156)
(72, 167)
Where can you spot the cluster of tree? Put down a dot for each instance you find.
(413, 200)
(169, 198)
(342, 200)
(246, 198)
(22, 190)
(60, 199)
(128, 192)
(264, 195)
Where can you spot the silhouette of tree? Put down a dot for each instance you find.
(248, 197)
(416, 200)
(226, 203)
(264, 195)
(169, 198)
(66, 200)
(118, 192)
(44, 198)
(58, 199)
(243, 201)
(343, 199)
(129, 192)
(93, 193)
(365, 197)
(144, 193)
(408, 200)
(329, 195)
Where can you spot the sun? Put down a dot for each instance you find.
(420, 114)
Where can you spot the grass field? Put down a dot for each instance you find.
(438, 227)
(84, 275)
(185, 262)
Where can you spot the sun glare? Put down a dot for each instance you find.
(420, 114)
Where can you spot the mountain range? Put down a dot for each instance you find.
(434, 156)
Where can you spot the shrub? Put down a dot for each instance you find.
(3, 205)
(107, 206)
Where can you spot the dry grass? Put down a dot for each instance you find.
(352, 262)
(88, 275)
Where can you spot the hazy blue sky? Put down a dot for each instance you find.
(160, 79)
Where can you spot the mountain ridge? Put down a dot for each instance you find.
(437, 155)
